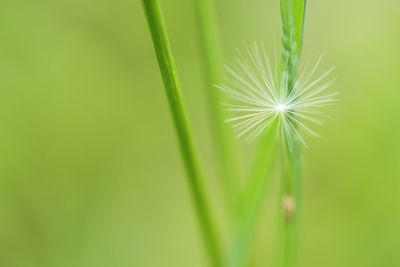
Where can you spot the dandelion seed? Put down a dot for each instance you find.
(258, 97)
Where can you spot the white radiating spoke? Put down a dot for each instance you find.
(258, 96)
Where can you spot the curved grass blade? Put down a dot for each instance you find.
(213, 68)
(173, 91)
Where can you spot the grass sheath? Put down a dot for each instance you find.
(172, 88)
(213, 69)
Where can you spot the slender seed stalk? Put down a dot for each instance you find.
(291, 174)
(292, 14)
(213, 69)
(290, 205)
(172, 88)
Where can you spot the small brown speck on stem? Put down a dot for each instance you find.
(289, 207)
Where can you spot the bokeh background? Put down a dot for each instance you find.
(90, 173)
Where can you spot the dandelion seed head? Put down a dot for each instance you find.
(259, 95)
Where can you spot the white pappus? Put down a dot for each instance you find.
(259, 96)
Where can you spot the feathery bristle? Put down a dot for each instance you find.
(259, 96)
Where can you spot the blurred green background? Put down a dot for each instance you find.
(90, 173)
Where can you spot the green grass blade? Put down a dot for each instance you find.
(213, 69)
(173, 91)
(252, 199)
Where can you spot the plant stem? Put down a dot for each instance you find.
(251, 202)
(252, 199)
(213, 69)
(172, 88)
(292, 15)
(291, 174)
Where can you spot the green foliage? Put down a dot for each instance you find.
(292, 15)
(252, 199)
(173, 91)
(212, 57)
(250, 203)
(89, 172)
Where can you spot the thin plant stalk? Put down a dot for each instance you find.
(253, 197)
(291, 173)
(213, 69)
(293, 15)
(172, 88)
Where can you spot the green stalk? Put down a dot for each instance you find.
(252, 199)
(213, 69)
(291, 188)
(292, 14)
(172, 88)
